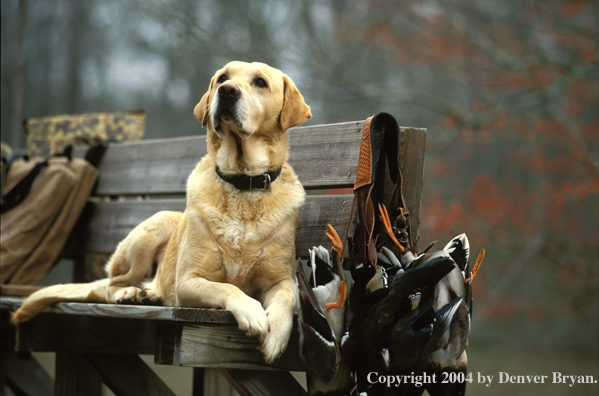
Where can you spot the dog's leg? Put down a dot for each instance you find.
(134, 259)
(279, 302)
(195, 291)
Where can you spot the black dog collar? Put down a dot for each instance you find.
(245, 182)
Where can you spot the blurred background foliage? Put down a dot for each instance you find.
(509, 92)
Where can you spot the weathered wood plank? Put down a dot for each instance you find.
(413, 147)
(128, 375)
(263, 383)
(113, 310)
(177, 314)
(86, 334)
(168, 338)
(323, 156)
(154, 166)
(9, 303)
(199, 381)
(326, 155)
(317, 212)
(110, 222)
(162, 166)
(217, 345)
(203, 315)
(76, 376)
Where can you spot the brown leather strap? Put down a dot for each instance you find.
(362, 189)
(380, 141)
(364, 174)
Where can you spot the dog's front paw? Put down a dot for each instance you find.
(277, 338)
(273, 346)
(127, 295)
(135, 295)
(250, 316)
(149, 297)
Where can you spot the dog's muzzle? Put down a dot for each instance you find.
(228, 96)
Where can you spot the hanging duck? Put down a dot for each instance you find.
(455, 288)
(388, 321)
(321, 320)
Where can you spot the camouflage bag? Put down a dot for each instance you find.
(50, 135)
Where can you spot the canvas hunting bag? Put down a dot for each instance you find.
(41, 202)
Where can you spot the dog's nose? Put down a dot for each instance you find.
(229, 91)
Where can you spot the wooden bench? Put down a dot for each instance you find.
(100, 342)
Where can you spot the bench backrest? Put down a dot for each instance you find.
(140, 179)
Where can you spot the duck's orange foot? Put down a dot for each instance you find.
(341, 299)
(334, 237)
(479, 261)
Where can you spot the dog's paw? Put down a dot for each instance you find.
(135, 295)
(127, 295)
(148, 297)
(277, 338)
(250, 316)
(273, 347)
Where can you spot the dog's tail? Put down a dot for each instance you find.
(74, 292)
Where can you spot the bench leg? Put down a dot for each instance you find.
(21, 374)
(198, 381)
(75, 376)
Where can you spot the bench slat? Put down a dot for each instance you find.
(413, 147)
(326, 156)
(225, 346)
(111, 221)
(177, 314)
(156, 166)
(162, 166)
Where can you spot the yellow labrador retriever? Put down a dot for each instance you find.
(233, 247)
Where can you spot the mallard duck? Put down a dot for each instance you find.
(450, 351)
(318, 347)
(329, 286)
(389, 261)
(321, 319)
(372, 282)
(417, 334)
(383, 313)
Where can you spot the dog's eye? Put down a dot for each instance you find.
(222, 78)
(260, 82)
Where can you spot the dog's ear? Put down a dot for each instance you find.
(202, 109)
(295, 111)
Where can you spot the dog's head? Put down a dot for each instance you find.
(248, 98)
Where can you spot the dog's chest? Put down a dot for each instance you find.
(239, 227)
(233, 232)
(240, 244)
